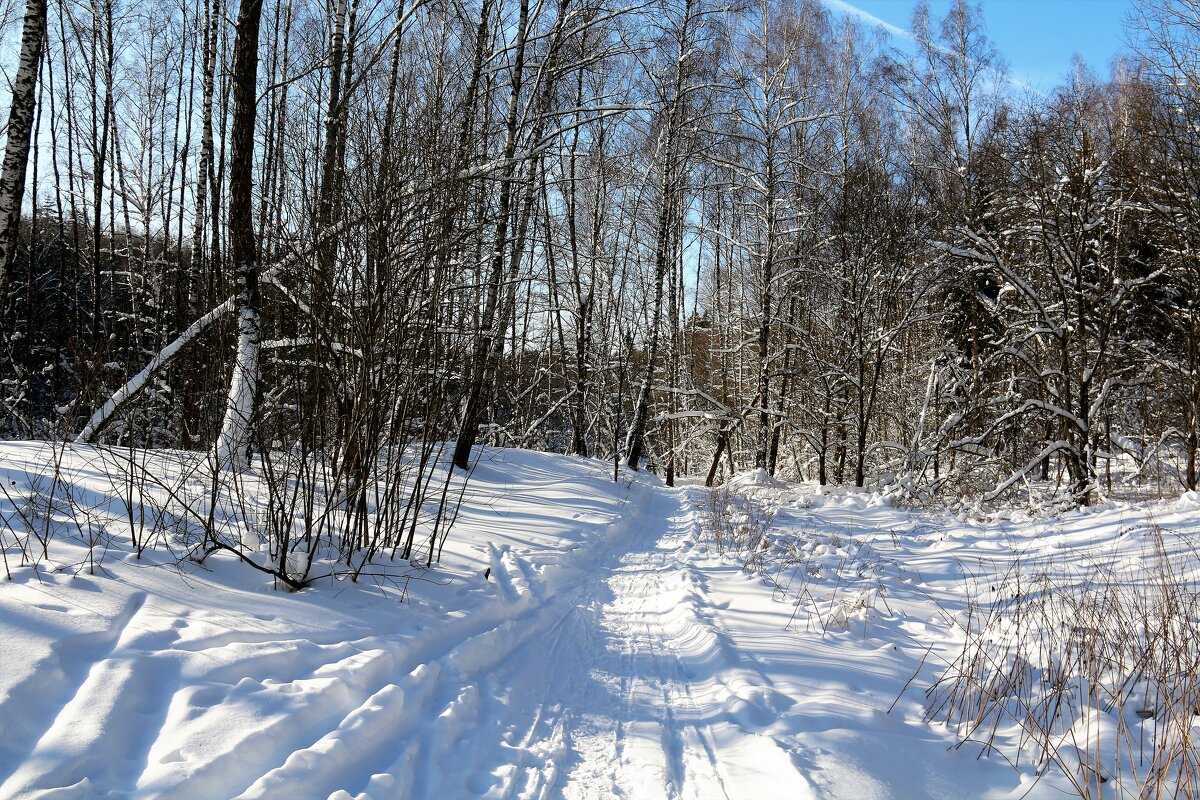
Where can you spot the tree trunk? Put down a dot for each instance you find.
(100, 158)
(1085, 464)
(320, 384)
(635, 441)
(20, 130)
(1192, 440)
(204, 169)
(722, 440)
(237, 426)
(781, 406)
(762, 445)
(492, 321)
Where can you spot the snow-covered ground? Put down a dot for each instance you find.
(612, 649)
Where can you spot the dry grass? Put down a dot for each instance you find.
(1095, 673)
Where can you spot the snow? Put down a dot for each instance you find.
(613, 649)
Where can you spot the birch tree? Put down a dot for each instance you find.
(20, 135)
(234, 440)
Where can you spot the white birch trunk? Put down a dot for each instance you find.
(20, 130)
(135, 384)
(104, 413)
(212, 18)
(236, 427)
(233, 443)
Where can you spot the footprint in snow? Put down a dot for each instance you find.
(50, 607)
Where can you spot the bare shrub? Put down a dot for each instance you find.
(834, 581)
(45, 501)
(739, 524)
(1097, 673)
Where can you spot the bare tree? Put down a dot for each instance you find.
(237, 426)
(20, 135)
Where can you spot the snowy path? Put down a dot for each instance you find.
(591, 664)
(633, 691)
(581, 639)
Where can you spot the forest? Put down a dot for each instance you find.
(687, 236)
(581, 399)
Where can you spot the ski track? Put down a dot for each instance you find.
(605, 675)
(642, 696)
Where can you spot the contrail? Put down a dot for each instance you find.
(853, 10)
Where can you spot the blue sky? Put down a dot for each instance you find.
(1037, 38)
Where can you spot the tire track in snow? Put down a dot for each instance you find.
(603, 675)
(633, 692)
(365, 749)
(104, 734)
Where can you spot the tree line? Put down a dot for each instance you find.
(693, 236)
